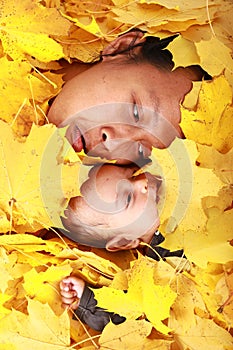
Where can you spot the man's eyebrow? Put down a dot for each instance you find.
(155, 102)
(152, 112)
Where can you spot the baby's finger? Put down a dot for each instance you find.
(70, 294)
(65, 286)
(72, 306)
(68, 279)
(62, 285)
(68, 301)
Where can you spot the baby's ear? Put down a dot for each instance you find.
(120, 243)
(122, 43)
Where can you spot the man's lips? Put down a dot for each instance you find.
(78, 141)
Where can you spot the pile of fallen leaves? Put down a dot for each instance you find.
(177, 304)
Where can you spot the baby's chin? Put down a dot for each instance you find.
(68, 220)
(72, 214)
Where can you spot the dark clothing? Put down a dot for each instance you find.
(96, 317)
(161, 252)
(92, 315)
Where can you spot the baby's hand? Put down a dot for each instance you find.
(71, 289)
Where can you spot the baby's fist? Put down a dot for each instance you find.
(71, 290)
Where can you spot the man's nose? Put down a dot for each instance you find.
(141, 183)
(107, 133)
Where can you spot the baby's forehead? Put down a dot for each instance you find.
(105, 171)
(106, 183)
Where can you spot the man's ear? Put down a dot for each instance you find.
(120, 243)
(122, 43)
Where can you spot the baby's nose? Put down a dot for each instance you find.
(141, 183)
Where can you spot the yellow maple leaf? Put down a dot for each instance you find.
(4, 221)
(31, 30)
(83, 46)
(40, 329)
(104, 265)
(3, 298)
(92, 27)
(188, 205)
(31, 187)
(179, 5)
(21, 93)
(222, 164)
(205, 334)
(129, 332)
(184, 186)
(6, 263)
(188, 299)
(27, 27)
(140, 298)
(211, 123)
(212, 245)
(211, 54)
(44, 286)
(190, 100)
(207, 282)
(34, 258)
(224, 288)
(184, 52)
(14, 83)
(151, 14)
(215, 57)
(131, 335)
(30, 243)
(220, 27)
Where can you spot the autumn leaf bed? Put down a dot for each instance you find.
(177, 304)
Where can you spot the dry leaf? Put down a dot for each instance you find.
(150, 299)
(184, 52)
(207, 283)
(27, 27)
(222, 164)
(205, 334)
(3, 298)
(188, 298)
(23, 94)
(41, 328)
(215, 58)
(34, 198)
(131, 335)
(44, 286)
(212, 245)
(211, 123)
(30, 243)
(38, 33)
(183, 181)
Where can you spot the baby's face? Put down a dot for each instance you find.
(114, 198)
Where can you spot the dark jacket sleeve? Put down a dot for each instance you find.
(92, 315)
(158, 253)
